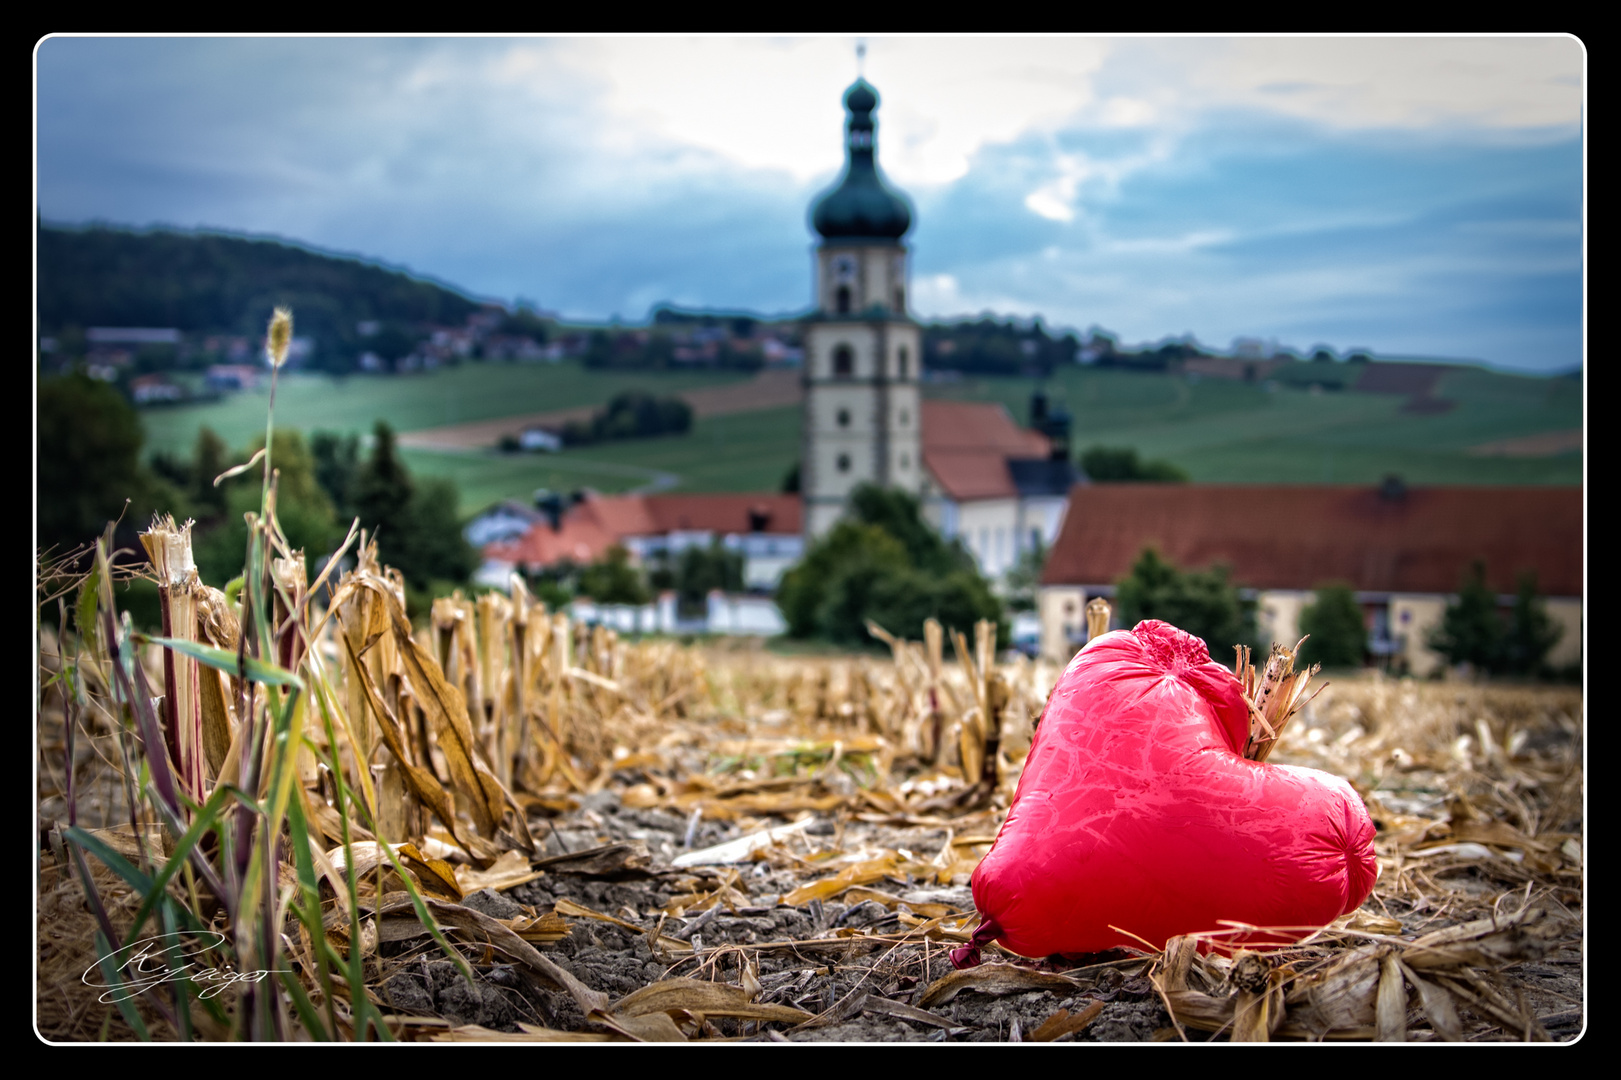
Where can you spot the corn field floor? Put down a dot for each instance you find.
(779, 849)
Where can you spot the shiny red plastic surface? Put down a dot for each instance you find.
(1137, 818)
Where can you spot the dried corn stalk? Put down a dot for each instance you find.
(169, 547)
(1273, 694)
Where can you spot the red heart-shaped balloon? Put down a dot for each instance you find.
(1137, 817)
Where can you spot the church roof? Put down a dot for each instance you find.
(968, 447)
(861, 206)
(979, 425)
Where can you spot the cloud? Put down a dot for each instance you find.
(1390, 192)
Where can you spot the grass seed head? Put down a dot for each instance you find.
(280, 337)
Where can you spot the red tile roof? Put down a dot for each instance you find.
(971, 474)
(966, 445)
(726, 513)
(978, 426)
(589, 528)
(1298, 537)
(580, 540)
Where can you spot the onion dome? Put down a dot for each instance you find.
(861, 206)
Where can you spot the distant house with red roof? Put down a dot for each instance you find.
(1403, 550)
(764, 527)
(1000, 488)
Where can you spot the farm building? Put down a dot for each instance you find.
(1404, 551)
(765, 528)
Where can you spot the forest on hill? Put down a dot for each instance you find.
(209, 283)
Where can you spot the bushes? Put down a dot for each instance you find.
(89, 446)
(1338, 637)
(1106, 464)
(634, 414)
(1474, 632)
(883, 562)
(416, 524)
(1202, 602)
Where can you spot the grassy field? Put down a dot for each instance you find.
(473, 391)
(1232, 432)
(1219, 431)
(736, 452)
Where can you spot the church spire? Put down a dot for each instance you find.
(862, 206)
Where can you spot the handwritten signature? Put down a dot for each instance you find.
(147, 963)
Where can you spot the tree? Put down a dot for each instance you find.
(701, 570)
(306, 514)
(417, 526)
(1105, 464)
(1024, 578)
(89, 448)
(1338, 636)
(1531, 633)
(208, 462)
(884, 563)
(612, 580)
(1471, 631)
(337, 460)
(1204, 603)
(382, 495)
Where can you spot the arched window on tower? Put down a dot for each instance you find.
(844, 362)
(841, 301)
(900, 299)
(900, 363)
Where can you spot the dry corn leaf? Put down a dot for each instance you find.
(862, 873)
(995, 979)
(423, 783)
(527, 1033)
(708, 998)
(649, 1027)
(512, 868)
(448, 719)
(1063, 1022)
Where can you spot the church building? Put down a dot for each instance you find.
(981, 476)
(863, 354)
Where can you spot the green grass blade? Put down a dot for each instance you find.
(206, 819)
(110, 858)
(182, 1003)
(226, 661)
(116, 987)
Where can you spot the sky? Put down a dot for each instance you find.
(1417, 196)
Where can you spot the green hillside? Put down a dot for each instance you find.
(1224, 431)
(311, 401)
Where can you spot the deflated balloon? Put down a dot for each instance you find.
(1137, 817)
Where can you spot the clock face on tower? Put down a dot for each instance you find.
(844, 268)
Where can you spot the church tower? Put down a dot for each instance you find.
(863, 353)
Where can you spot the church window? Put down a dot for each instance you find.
(900, 298)
(844, 463)
(905, 417)
(844, 362)
(901, 359)
(842, 300)
(844, 418)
